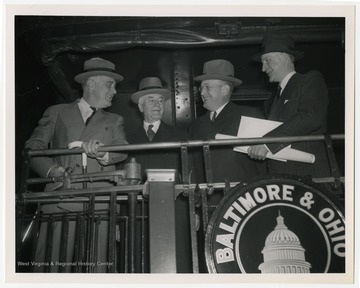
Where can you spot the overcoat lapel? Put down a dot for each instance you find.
(288, 92)
(139, 136)
(286, 95)
(73, 121)
(93, 124)
(163, 133)
(221, 120)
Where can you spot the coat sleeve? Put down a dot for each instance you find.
(119, 138)
(310, 113)
(40, 139)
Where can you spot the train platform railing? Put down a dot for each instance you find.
(140, 217)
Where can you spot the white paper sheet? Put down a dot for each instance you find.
(253, 128)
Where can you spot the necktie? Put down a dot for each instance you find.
(278, 92)
(92, 114)
(150, 132)
(213, 117)
(275, 106)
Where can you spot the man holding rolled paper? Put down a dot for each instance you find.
(222, 117)
(300, 104)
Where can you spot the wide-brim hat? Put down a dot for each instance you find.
(150, 85)
(218, 69)
(278, 43)
(96, 67)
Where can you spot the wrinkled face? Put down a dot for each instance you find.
(152, 105)
(214, 94)
(273, 65)
(103, 91)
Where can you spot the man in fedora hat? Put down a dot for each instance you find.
(223, 116)
(150, 99)
(83, 120)
(300, 103)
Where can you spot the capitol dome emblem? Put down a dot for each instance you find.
(276, 224)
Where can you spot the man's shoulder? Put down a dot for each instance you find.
(312, 74)
(244, 110)
(60, 107)
(112, 115)
(175, 132)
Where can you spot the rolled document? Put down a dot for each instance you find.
(285, 154)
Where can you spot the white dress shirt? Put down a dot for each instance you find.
(86, 112)
(156, 125)
(217, 111)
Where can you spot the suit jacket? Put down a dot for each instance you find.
(167, 159)
(62, 124)
(158, 159)
(225, 162)
(302, 108)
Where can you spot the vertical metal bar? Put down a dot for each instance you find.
(204, 208)
(49, 242)
(90, 233)
(132, 230)
(227, 186)
(112, 233)
(96, 240)
(194, 248)
(64, 241)
(207, 163)
(185, 164)
(333, 166)
(126, 256)
(143, 236)
(78, 243)
(83, 241)
(162, 220)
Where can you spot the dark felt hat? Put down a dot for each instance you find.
(218, 69)
(278, 43)
(96, 67)
(150, 85)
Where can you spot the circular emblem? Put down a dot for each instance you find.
(277, 224)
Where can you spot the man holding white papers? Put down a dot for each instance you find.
(223, 117)
(300, 104)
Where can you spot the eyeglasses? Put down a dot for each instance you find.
(207, 87)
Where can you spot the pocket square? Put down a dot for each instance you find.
(286, 100)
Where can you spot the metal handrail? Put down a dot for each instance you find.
(190, 143)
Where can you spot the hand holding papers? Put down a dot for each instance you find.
(253, 128)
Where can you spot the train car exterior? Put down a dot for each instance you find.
(178, 203)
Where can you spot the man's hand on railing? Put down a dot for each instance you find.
(258, 152)
(91, 150)
(55, 171)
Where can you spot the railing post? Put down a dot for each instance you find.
(162, 220)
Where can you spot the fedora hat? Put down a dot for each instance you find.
(278, 43)
(98, 66)
(219, 69)
(150, 85)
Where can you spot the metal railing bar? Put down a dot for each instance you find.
(103, 199)
(109, 175)
(190, 143)
(219, 185)
(82, 192)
